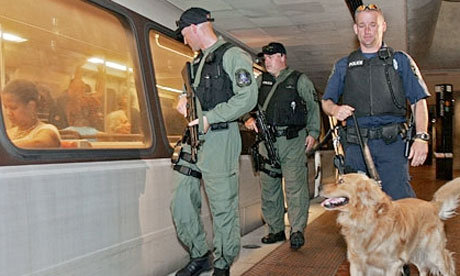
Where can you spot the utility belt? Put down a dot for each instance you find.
(290, 132)
(388, 133)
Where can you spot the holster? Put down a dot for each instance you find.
(259, 161)
(179, 153)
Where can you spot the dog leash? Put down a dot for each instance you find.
(372, 170)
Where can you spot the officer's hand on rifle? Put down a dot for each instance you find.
(182, 106)
(309, 143)
(418, 152)
(197, 121)
(342, 112)
(251, 124)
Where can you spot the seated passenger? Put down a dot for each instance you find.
(20, 99)
(78, 107)
(117, 122)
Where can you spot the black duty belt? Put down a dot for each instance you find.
(290, 132)
(187, 171)
(388, 133)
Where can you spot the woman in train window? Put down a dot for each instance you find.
(20, 100)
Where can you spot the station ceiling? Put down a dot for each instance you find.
(317, 33)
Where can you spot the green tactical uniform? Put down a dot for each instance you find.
(218, 161)
(293, 158)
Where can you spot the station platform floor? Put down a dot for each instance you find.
(325, 249)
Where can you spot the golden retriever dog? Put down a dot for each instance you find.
(382, 235)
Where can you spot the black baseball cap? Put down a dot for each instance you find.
(193, 16)
(273, 48)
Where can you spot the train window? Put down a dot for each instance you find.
(68, 70)
(169, 57)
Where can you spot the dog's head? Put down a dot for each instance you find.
(354, 193)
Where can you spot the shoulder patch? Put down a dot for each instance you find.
(243, 78)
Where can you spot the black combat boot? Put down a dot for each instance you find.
(221, 272)
(196, 266)
(297, 240)
(272, 238)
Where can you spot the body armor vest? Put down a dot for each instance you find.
(367, 85)
(215, 85)
(286, 107)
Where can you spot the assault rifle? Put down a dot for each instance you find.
(191, 132)
(266, 134)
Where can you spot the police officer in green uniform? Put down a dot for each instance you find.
(225, 89)
(289, 99)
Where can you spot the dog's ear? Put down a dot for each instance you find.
(382, 208)
(369, 193)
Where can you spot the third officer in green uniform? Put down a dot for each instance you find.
(225, 89)
(289, 99)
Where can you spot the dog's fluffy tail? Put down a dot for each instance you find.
(447, 198)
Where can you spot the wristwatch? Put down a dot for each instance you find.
(422, 136)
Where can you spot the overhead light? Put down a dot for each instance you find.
(109, 64)
(96, 60)
(12, 37)
(115, 66)
(169, 88)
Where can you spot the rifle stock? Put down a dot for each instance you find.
(191, 110)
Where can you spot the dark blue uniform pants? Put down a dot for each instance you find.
(390, 162)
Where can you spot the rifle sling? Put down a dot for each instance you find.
(196, 82)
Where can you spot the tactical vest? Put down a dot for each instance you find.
(286, 107)
(367, 85)
(215, 85)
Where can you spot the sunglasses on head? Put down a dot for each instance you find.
(268, 49)
(370, 7)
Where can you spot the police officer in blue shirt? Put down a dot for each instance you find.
(374, 83)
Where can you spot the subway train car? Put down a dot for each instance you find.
(108, 79)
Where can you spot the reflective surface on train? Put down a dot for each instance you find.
(83, 61)
(97, 204)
